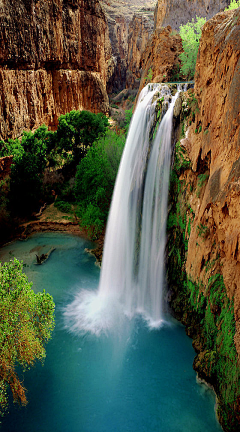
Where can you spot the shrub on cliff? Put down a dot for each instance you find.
(190, 34)
(27, 321)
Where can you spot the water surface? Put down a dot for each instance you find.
(134, 380)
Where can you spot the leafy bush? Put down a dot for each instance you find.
(190, 34)
(149, 75)
(27, 321)
(35, 152)
(63, 206)
(233, 5)
(29, 163)
(95, 181)
(78, 130)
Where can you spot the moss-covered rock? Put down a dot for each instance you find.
(204, 308)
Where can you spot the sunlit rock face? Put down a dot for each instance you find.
(177, 12)
(54, 57)
(160, 60)
(213, 145)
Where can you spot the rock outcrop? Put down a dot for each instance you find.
(140, 30)
(160, 60)
(121, 21)
(178, 12)
(204, 222)
(215, 149)
(54, 57)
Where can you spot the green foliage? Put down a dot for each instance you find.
(63, 206)
(95, 181)
(207, 310)
(175, 73)
(181, 162)
(6, 223)
(190, 34)
(234, 4)
(128, 118)
(35, 152)
(27, 321)
(180, 219)
(29, 163)
(149, 75)
(202, 178)
(202, 231)
(78, 130)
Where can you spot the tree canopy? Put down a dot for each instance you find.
(26, 324)
(36, 151)
(95, 179)
(190, 34)
(77, 130)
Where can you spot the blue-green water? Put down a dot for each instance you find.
(134, 380)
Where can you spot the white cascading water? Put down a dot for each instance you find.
(132, 274)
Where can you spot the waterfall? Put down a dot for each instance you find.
(132, 274)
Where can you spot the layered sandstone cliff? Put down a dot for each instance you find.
(215, 149)
(130, 25)
(160, 60)
(204, 221)
(140, 30)
(178, 12)
(54, 57)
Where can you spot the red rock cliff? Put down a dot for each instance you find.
(140, 30)
(177, 12)
(213, 145)
(161, 56)
(125, 32)
(54, 57)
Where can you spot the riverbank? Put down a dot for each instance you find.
(53, 220)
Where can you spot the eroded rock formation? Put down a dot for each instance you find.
(215, 149)
(140, 30)
(161, 57)
(54, 57)
(178, 12)
(122, 23)
(204, 221)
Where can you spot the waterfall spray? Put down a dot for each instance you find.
(132, 274)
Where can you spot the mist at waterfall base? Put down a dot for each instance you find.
(144, 383)
(132, 274)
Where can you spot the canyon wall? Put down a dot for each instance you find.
(160, 57)
(214, 143)
(130, 25)
(204, 221)
(140, 30)
(160, 60)
(55, 56)
(178, 12)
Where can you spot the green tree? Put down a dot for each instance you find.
(233, 5)
(78, 130)
(190, 34)
(31, 156)
(95, 179)
(27, 321)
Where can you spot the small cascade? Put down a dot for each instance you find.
(132, 274)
